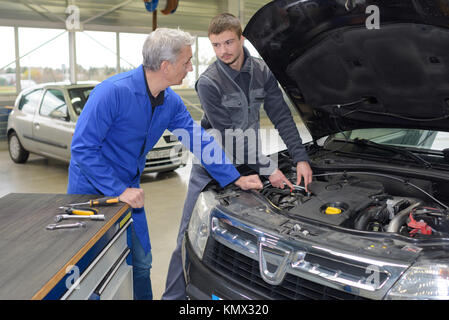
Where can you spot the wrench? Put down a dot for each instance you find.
(301, 188)
(60, 217)
(66, 226)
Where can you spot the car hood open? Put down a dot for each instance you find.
(342, 75)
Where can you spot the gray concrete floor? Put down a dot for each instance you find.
(164, 197)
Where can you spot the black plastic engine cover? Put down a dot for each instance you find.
(350, 198)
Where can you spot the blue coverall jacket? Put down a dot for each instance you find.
(117, 129)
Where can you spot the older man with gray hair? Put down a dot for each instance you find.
(121, 122)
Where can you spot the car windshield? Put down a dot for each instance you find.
(414, 138)
(78, 98)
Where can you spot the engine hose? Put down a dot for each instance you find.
(367, 217)
(400, 218)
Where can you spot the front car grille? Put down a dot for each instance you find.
(163, 156)
(283, 268)
(246, 272)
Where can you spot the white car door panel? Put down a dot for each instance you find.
(52, 128)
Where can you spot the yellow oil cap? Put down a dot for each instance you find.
(332, 210)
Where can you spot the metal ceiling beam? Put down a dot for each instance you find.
(121, 16)
(46, 12)
(107, 11)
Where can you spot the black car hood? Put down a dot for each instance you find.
(340, 75)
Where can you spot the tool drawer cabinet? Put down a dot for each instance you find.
(83, 263)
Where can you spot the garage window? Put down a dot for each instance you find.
(54, 105)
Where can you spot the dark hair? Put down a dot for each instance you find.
(224, 22)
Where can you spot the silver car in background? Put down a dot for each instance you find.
(43, 121)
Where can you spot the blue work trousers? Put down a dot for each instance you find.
(175, 286)
(141, 269)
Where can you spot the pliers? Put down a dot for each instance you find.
(79, 211)
(75, 208)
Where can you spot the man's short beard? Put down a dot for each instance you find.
(233, 61)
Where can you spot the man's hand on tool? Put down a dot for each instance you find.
(134, 197)
(303, 170)
(248, 182)
(278, 180)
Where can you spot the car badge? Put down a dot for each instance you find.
(280, 255)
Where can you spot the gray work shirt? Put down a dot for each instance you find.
(218, 117)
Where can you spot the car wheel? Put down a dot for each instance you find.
(17, 153)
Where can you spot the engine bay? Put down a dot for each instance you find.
(365, 201)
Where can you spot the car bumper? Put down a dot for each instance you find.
(165, 163)
(203, 283)
(161, 166)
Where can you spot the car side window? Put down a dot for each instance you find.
(30, 101)
(78, 97)
(54, 105)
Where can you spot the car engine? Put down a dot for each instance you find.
(365, 201)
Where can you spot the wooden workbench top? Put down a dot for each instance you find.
(33, 259)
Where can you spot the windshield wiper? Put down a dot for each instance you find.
(403, 152)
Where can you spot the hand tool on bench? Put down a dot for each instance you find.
(105, 201)
(66, 226)
(79, 211)
(60, 217)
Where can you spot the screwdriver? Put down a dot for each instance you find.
(106, 201)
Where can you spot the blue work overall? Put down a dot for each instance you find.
(113, 135)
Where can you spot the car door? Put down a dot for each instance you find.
(52, 128)
(23, 118)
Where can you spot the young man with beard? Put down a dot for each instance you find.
(231, 92)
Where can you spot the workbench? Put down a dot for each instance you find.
(93, 262)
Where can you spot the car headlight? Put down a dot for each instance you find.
(199, 224)
(423, 281)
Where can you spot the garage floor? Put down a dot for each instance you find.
(164, 199)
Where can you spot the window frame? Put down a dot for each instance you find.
(24, 95)
(67, 114)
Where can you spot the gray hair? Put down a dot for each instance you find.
(164, 44)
